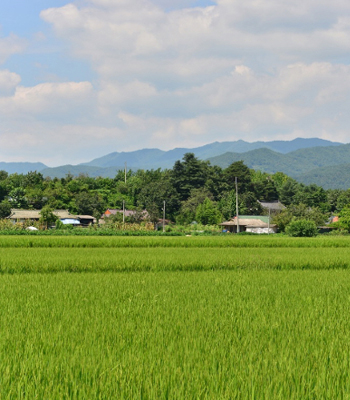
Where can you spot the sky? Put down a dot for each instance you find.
(85, 78)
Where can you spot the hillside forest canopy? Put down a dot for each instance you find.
(193, 190)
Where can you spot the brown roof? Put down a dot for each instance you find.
(128, 213)
(24, 214)
(250, 222)
(35, 214)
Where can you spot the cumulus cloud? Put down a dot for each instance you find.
(188, 75)
(52, 98)
(8, 81)
(10, 45)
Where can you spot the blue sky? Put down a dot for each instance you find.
(82, 79)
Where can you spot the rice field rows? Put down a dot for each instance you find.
(208, 335)
(271, 241)
(174, 318)
(53, 260)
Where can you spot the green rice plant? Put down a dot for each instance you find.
(228, 241)
(210, 335)
(123, 259)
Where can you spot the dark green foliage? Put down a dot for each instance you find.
(207, 213)
(264, 186)
(311, 195)
(188, 209)
(17, 198)
(240, 171)
(227, 204)
(344, 219)
(3, 175)
(3, 190)
(248, 204)
(287, 191)
(343, 199)
(191, 173)
(153, 195)
(47, 217)
(33, 179)
(302, 228)
(89, 204)
(299, 212)
(5, 209)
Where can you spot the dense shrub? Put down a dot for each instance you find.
(302, 228)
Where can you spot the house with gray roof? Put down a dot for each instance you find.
(249, 223)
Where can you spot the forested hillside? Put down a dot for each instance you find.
(294, 163)
(155, 158)
(192, 189)
(335, 176)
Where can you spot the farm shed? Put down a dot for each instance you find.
(249, 223)
(128, 213)
(24, 215)
(63, 215)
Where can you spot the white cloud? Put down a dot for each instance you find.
(8, 81)
(10, 45)
(52, 98)
(248, 69)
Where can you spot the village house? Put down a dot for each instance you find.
(63, 215)
(249, 223)
(128, 214)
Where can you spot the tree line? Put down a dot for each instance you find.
(193, 190)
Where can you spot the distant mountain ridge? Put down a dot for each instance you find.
(155, 158)
(307, 160)
(21, 167)
(293, 164)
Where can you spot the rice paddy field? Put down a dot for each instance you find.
(174, 318)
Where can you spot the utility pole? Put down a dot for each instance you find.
(237, 217)
(125, 171)
(268, 225)
(164, 216)
(123, 211)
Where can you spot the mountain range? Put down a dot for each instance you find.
(307, 160)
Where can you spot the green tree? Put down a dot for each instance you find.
(188, 174)
(5, 209)
(343, 200)
(35, 197)
(242, 172)
(311, 195)
(248, 204)
(227, 204)
(302, 228)
(188, 208)
(207, 213)
(89, 204)
(47, 217)
(153, 195)
(297, 212)
(282, 219)
(17, 198)
(3, 189)
(332, 198)
(287, 191)
(3, 175)
(302, 211)
(344, 219)
(33, 179)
